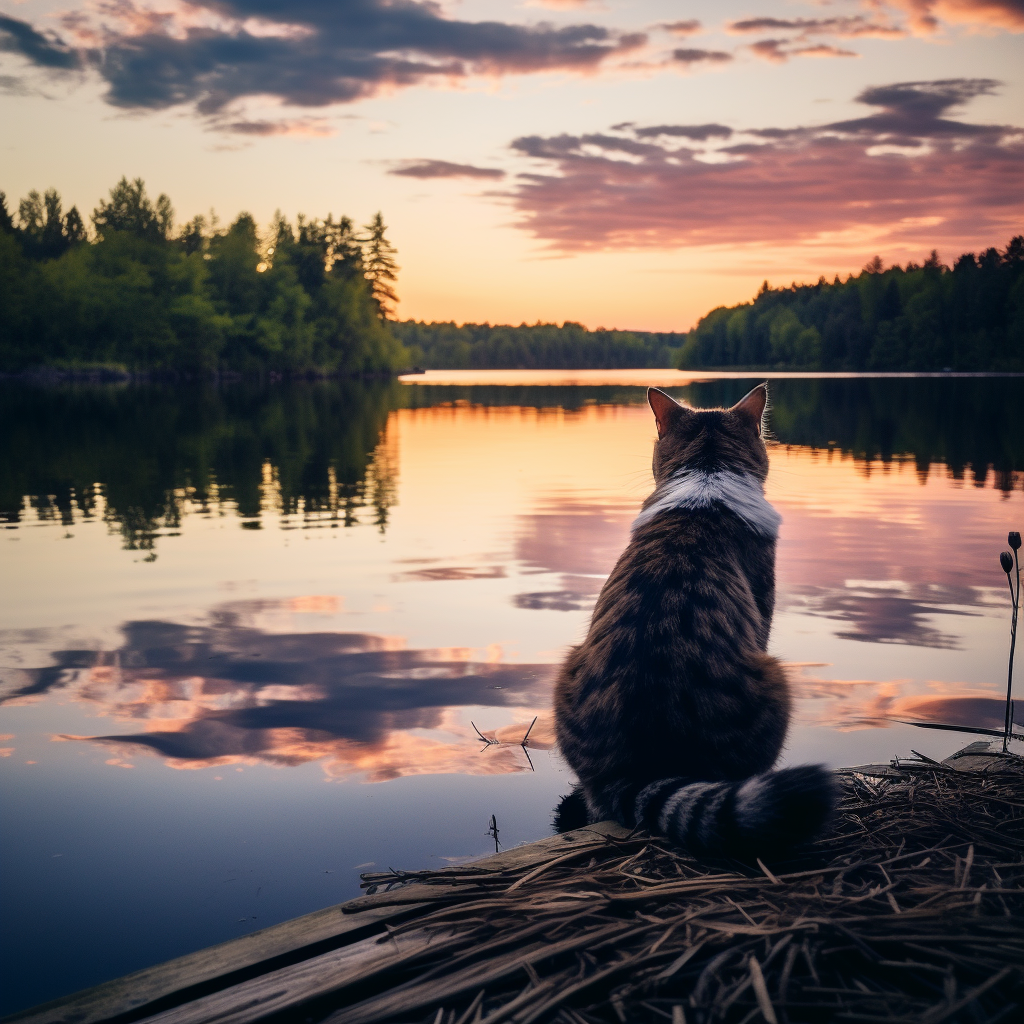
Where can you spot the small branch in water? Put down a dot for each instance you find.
(492, 831)
(483, 738)
(528, 731)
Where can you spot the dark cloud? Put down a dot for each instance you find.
(902, 165)
(308, 53)
(780, 50)
(912, 110)
(701, 56)
(11, 85)
(45, 50)
(696, 132)
(443, 169)
(844, 27)
(690, 27)
(263, 128)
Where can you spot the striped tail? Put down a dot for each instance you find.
(761, 815)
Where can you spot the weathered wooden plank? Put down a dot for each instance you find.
(278, 990)
(196, 975)
(143, 991)
(981, 756)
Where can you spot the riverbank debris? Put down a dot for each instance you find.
(908, 909)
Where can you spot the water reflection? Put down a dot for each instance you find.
(270, 651)
(229, 692)
(578, 540)
(365, 706)
(847, 705)
(142, 457)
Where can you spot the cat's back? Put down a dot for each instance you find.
(674, 657)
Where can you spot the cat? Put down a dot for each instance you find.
(670, 712)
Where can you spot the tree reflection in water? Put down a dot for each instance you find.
(318, 452)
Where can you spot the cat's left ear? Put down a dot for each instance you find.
(751, 406)
(666, 410)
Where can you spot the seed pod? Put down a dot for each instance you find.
(1013, 539)
(1006, 561)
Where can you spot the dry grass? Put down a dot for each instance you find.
(908, 910)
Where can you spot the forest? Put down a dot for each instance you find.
(134, 295)
(570, 346)
(918, 317)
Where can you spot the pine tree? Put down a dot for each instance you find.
(131, 210)
(379, 266)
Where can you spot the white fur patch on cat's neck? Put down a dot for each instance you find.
(741, 493)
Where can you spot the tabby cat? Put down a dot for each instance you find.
(670, 712)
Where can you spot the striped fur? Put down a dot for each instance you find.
(671, 712)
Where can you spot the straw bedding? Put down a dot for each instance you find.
(909, 909)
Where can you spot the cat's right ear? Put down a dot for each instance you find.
(667, 410)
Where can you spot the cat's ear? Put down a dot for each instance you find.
(666, 410)
(751, 406)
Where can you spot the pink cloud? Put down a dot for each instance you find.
(926, 16)
(902, 172)
(843, 27)
(780, 50)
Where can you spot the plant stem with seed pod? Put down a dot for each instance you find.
(1015, 602)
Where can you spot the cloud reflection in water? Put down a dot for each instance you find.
(361, 704)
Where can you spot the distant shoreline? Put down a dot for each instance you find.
(667, 376)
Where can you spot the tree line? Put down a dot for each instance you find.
(569, 346)
(918, 317)
(136, 295)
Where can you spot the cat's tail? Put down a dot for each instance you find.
(761, 815)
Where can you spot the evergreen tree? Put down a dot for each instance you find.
(6, 222)
(207, 300)
(74, 227)
(192, 237)
(130, 210)
(346, 254)
(379, 266)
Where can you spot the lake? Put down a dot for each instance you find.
(249, 635)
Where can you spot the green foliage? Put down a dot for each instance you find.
(380, 266)
(905, 318)
(531, 347)
(207, 301)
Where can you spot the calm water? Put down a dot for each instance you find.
(247, 633)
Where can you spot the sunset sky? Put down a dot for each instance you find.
(624, 164)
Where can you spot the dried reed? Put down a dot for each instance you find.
(909, 909)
